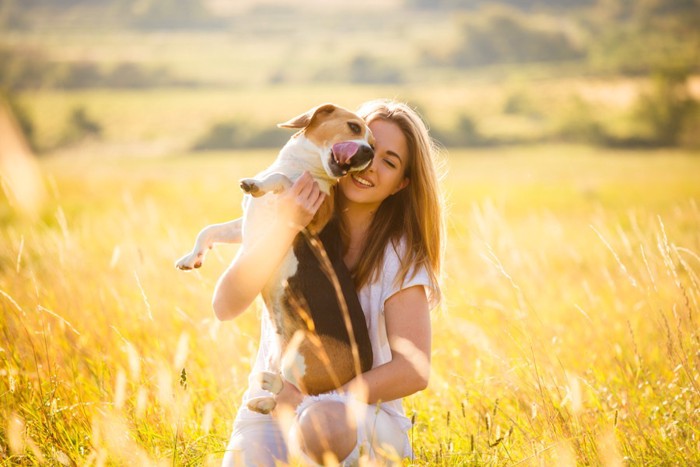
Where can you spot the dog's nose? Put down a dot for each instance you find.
(363, 155)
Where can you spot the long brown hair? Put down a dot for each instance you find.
(415, 213)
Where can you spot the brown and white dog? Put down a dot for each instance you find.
(321, 329)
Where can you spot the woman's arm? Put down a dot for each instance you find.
(258, 258)
(408, 328)
(407, 317)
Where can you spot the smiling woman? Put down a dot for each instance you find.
(391, 228)
(401, 188)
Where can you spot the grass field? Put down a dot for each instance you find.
(568, 334)
(166, 120)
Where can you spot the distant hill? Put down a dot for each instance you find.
(169, 7)
(519, 4)
(156, 14)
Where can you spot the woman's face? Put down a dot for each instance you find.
(386, 174)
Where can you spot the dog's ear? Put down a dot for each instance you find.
(303, 120)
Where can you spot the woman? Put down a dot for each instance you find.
(392, 228)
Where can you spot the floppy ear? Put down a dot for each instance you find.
(303, 120)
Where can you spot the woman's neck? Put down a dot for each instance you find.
(356, 219)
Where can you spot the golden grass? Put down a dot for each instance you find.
(568, 334)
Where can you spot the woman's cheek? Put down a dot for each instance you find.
(347, 187)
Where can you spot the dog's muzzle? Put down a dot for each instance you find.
(350, 156)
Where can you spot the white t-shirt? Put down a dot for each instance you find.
(372, 297)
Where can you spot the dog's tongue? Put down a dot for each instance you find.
(344, 151)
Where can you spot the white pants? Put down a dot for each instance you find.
(255, 443)
(261, 442)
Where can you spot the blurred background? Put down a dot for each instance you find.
(568, 334)
(157, 77)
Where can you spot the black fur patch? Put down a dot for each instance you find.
(311, 286)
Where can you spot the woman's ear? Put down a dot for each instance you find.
(404, 183)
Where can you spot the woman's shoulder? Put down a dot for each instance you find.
(394, 253)
(395, 257)
(395, 278)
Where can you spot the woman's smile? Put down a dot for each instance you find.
(360, 181)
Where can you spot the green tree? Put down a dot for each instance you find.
(170, 13)
(668, 107)
(506, 36)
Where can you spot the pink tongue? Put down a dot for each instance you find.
(344, 151)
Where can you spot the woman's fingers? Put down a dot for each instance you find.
(302, 184)
(300, 202)
(315, 199)
(307, 192)
(313, 192)
(318, 202)
(289, 397)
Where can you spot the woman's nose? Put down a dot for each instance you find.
(371, 166)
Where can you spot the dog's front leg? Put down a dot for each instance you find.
(227, 232)
(275, 182)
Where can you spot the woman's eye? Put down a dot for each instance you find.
(390, 164)
(355, 128)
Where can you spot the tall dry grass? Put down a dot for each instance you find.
(568, 334)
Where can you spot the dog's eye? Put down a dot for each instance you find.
(355, 128)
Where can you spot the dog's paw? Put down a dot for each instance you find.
(271, 382)
(190, 261)
(252, 187)
(263, 405)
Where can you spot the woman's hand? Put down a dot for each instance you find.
(261, 255)
(288, 398)
(297, 205)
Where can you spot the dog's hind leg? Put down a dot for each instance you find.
(227, 232)
(263, 404)
(275, 182)
(271, 382)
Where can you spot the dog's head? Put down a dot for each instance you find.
(344, 139)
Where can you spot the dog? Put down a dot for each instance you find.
(313, 305)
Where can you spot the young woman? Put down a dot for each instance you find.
(392, 229)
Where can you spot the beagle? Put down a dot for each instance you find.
(311, 299)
